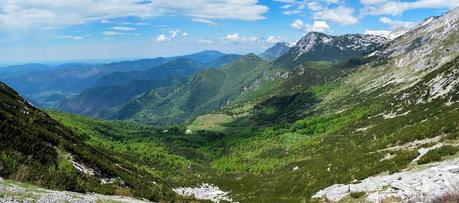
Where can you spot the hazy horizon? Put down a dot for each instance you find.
(49, 31)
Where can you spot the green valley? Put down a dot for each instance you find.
(349, 118)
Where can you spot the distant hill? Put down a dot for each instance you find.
(47, 85)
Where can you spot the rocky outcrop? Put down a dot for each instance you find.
(204, 192)
(422, 184)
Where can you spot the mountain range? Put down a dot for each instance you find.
(47, 86)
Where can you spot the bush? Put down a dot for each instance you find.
(438, 154)
(357, 195)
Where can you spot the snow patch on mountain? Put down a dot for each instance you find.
(315, 41)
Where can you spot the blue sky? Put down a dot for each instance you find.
(78, 30)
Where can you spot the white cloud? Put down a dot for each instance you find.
(173, 34)
(291, 12)
(342, 15)
(111, 33)
(396, 24)
(391, 7)
(24, 14)
(273, 39)
(161, 38)
(314, 6)
(236, 37)
(318, 26)
(124, 28)
(205, 41)
(286, 1)
(233, 37)
(297, 24)
(205, 21)
(74, 37)
(369, 2)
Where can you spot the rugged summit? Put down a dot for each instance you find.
(316, 46)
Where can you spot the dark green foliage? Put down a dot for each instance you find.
(438, 153)
(357, 195)
(281, 109)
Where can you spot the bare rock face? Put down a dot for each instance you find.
(418, 185)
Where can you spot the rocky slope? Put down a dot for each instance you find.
(420, 71)
(421, 184)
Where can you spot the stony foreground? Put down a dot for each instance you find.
(422, 184)
(18, 192)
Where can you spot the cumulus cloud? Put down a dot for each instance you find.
(161, 38)
(51, 13)
(342, 15)
(124, 28)
(171, 35)
(391, 7)
(318, 26)
(233, 37)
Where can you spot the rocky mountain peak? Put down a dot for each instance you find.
(275, 51)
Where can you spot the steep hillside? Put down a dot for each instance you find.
(37, 149)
